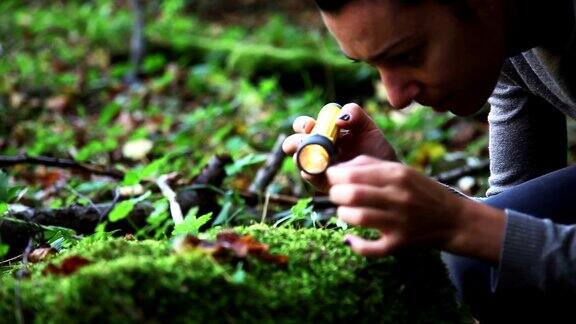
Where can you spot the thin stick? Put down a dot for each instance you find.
(175, 209)
(265, 208)
(90, 202)
(137, 45)
(451, 176)
(8, 161)
(11, 259)
(268, 171)
(23, 271)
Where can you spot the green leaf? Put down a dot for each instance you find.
(4, 248)
(3, 208)
(92, 186)
(121, 210)
(239, 275)
(240, 164)
(60, 237)
(191, 224)
(153, 167)
(109, 111)
(160, 212)
(134, 176)
(7, 192)
(131, 178)
(301, 211)
(96, 147)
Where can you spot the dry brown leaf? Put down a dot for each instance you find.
(68, 266)
(228, 245)
(58, 103)
(41, 254)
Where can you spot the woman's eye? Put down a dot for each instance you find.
(409, 58)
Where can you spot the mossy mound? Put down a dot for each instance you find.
(143, 281)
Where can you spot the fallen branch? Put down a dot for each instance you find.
(451, 176)
(253, 198)
(9, 161)
(268, 171)
(137, 43)
(168, 193)
(199, 194)
(84, 219)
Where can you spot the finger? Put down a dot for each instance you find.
(303, 124)
(375, 174)
(380, 247)
(319, 182)
(359, 160)
(354, 195)
(354, 118)
(365, 217)
(290, 144)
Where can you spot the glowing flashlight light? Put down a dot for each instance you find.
(317, 151)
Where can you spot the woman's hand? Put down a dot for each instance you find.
(410, 210)
(363, 137)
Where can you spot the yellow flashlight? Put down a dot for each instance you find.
(317, 151)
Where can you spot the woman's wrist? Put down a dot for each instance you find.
(478, 233)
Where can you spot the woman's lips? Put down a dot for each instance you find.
(440, 105)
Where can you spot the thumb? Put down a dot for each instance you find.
(354, 118)
(371, 248)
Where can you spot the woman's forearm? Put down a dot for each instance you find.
(479, 233)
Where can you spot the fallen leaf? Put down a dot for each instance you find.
(130, 191)
(68, 266)
(185, 243)
(229, 244)
(58, 103)
(16, 99)
(137, 149)
(49, 178)
(41, 254)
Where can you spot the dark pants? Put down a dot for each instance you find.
(550, 196)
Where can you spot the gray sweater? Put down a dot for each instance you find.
(535, 93)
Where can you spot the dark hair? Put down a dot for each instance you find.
(331, 5)
(460, 7)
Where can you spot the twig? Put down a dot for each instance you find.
(82, 219)
(268, 171)
(23, 271)
(265, 208)
(12, 259)
(175, 209)
(252, 199)
(200, 194)
(450, 176)
(137, 45)
(8, 161)
(90, 202)
(104, 215)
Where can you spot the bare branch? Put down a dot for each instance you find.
(451, 176)
(169, 194)
(266, 174)
(137, 44)
(9, 161)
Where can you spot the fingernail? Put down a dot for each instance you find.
(347, 242)
(345, 117)
(304, 126)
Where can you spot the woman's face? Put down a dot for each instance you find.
(425, 52)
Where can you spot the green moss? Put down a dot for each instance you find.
(143, 281)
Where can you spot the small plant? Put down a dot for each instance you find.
(192, 223)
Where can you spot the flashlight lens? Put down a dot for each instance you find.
(313, 159)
